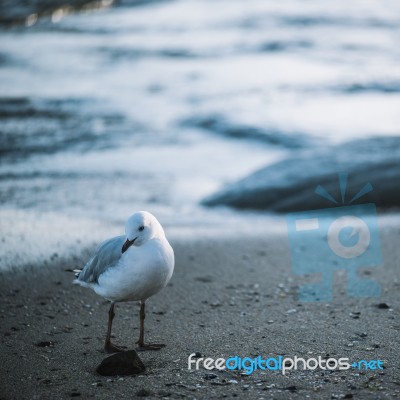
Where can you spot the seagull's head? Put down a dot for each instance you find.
(141, 227)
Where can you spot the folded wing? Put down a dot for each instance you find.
(106, 256)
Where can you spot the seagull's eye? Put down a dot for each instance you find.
(141, 228)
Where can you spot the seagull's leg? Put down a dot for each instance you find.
(142, 345)
(108, 346)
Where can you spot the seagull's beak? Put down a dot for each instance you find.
(128, 243)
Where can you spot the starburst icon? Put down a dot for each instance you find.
(321, 191)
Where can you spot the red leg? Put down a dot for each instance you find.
(108, 346)
(142, 345)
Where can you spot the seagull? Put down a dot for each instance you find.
(132, 267)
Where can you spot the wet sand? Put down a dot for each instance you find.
(227, 297)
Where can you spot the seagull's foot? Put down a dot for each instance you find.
(149, 346)
(112, 348)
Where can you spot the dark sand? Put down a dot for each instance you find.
(226, 297)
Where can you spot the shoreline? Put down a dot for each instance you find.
(32, 239)
(227, 297)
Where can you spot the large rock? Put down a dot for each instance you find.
(289, 185)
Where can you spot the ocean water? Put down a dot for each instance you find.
(158, 105)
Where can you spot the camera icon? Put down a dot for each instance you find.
(340, 238)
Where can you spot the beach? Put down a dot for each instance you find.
(227, 120)
(230, 295)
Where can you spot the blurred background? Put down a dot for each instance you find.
(110, 107)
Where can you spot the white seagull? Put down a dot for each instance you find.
(130, 268)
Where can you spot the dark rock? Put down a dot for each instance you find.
(45, 344)
(123, 363)
(289, 185)
(291, 388)
(210, 376)
(383, 306)
(348, 396)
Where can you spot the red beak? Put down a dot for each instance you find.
(128, 243)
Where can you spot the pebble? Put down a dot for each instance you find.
(382, 306)
(123, 363)
(210, 376)
(45, 344)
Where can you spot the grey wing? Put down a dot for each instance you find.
(106, 256)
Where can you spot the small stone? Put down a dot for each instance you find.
(123, 363)
(348, 396)
(383, 306)
(45, 344)
(210, 376)
(291, 311)
(292, 388)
